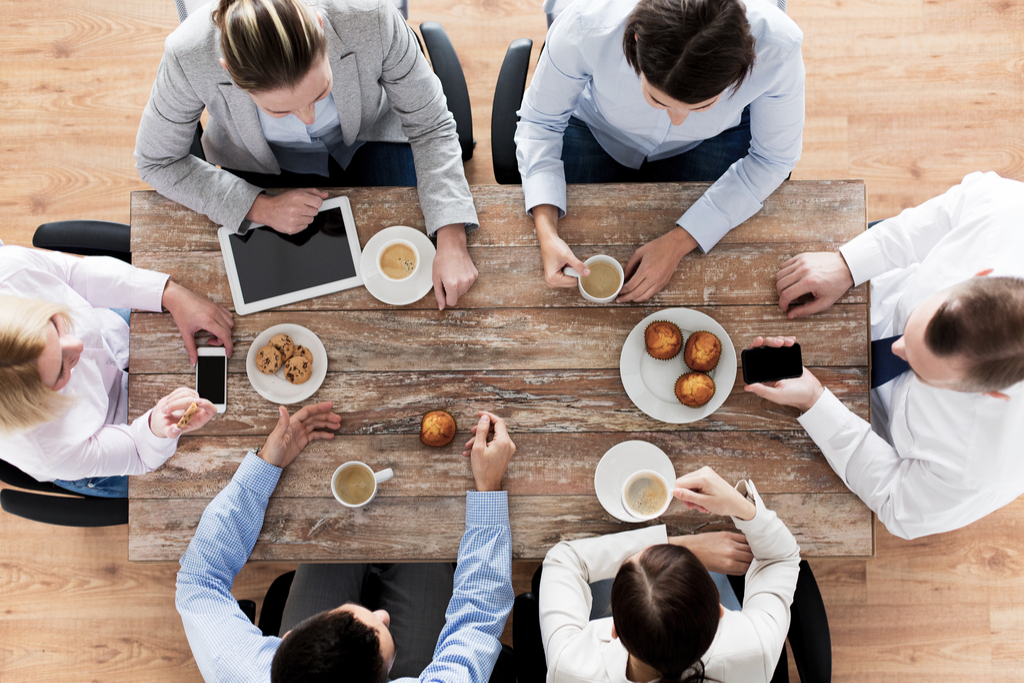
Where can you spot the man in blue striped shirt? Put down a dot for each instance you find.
(346, 642)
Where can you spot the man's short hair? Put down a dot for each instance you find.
(327, 648)
(981, 322)
(692, 50)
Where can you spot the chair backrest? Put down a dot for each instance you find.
(187, 7)
(553, 7)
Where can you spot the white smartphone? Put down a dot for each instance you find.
(212, 376)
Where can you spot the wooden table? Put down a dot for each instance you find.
(544, 359)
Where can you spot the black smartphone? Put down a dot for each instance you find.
(768, 364)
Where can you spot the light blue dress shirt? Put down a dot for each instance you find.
(304, 149)
(583, 72)
(228, 647)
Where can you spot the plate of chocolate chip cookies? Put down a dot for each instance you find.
(286, 363)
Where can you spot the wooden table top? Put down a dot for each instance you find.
(544, 359)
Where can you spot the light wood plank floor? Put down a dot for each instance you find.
(908, 94)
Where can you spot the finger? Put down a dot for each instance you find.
(809, 308)
(452, 294)
(758, 342)
(649, 289)
(792, 293)
(480, 442)
(560, 279)
(190, 345)
(764, 391)
(689, 496)
(787, 268)
(320, 436)
(577, 265)
(439, 293)
(633, 263)
(500, 431)
(793, 277)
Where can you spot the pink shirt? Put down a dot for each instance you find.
(92, 438)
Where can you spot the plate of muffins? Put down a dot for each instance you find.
(286, 363)
(678, 365)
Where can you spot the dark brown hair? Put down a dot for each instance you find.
(982, 323)
(268, 44)
(665, 607)
(329, 647)
(692, 50)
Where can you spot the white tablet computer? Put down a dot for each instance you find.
(267, 269)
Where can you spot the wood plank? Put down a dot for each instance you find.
(830, 212)
(320, 529)
(731, 274)
(532, 401)
(499, 339)
(544, 464)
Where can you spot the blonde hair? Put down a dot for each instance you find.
(25, 401)
(268, 44)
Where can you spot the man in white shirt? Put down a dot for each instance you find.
(947, 277)
(654, 91)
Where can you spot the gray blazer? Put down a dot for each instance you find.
(383, 87)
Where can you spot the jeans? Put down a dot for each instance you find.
(124, 313)
(375, 164)
(585, 161)
(415, 595)
(98, 487)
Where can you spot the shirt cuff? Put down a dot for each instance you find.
(486, 508)
(863, 257)
(257, 475)
(147, 289)
(823, 422)
(759, 522)
(704, 223)
(545, 188)
(153, 450)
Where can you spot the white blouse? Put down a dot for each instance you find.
(92, 438)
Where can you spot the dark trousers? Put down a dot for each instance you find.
(585, 161)
(375, 164)
(415, 595)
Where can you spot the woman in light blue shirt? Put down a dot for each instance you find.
(661, 90)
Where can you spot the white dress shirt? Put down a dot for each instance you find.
(583, 72)
(304, 149)
(747, 644)
(940, 459)
(92, 438)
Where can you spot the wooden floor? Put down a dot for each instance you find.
(908, 94)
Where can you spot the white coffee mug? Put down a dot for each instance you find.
(384, 247)
(601, 258)
(661, 509)
(378, 477)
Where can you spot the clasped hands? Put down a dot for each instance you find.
(724, 552)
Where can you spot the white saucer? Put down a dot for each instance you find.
(406, 291)
(650, 383)
(618, 463)
(276, 388)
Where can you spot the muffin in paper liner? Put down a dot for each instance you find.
(665, 338)
(703, 351)
(695, 389)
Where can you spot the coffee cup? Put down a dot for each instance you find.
(398, 260)
(646, 495)
(354, 484)
(604, 282)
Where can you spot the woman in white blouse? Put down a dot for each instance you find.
(666, 620)
(63, 386)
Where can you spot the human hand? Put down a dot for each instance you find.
(651, 266)
(704, 490)
(723, 552)
(192, 313)
(554, 252)
(823, 275)
(454, 272)
(289, 212)
(800, 392)
(163, 421)
(489, 451)
(292, 434)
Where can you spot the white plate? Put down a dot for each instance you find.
(276, 388)
(406, 291)
(650, 383)
(618, 463)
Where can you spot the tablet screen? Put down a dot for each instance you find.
(271, 264)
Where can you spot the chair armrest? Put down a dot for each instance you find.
(449, 71)
(530, 664)
(809, 635)
(87, 238)
(65, 511)
(12, 476)
(508, 96)
(248, 608)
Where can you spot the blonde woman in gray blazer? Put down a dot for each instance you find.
(333, 95)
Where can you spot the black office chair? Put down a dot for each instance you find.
(87, 238)
(277, 595)
(508, 95)
(809, 635)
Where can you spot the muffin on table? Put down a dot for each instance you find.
(663, 340)
(703, 351)
(437, 429)
(694, 389)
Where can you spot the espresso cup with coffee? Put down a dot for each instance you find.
(604, 282)
(646, 495)
(354, 484)
(398, 260)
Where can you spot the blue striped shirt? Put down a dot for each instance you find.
(228, 647)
